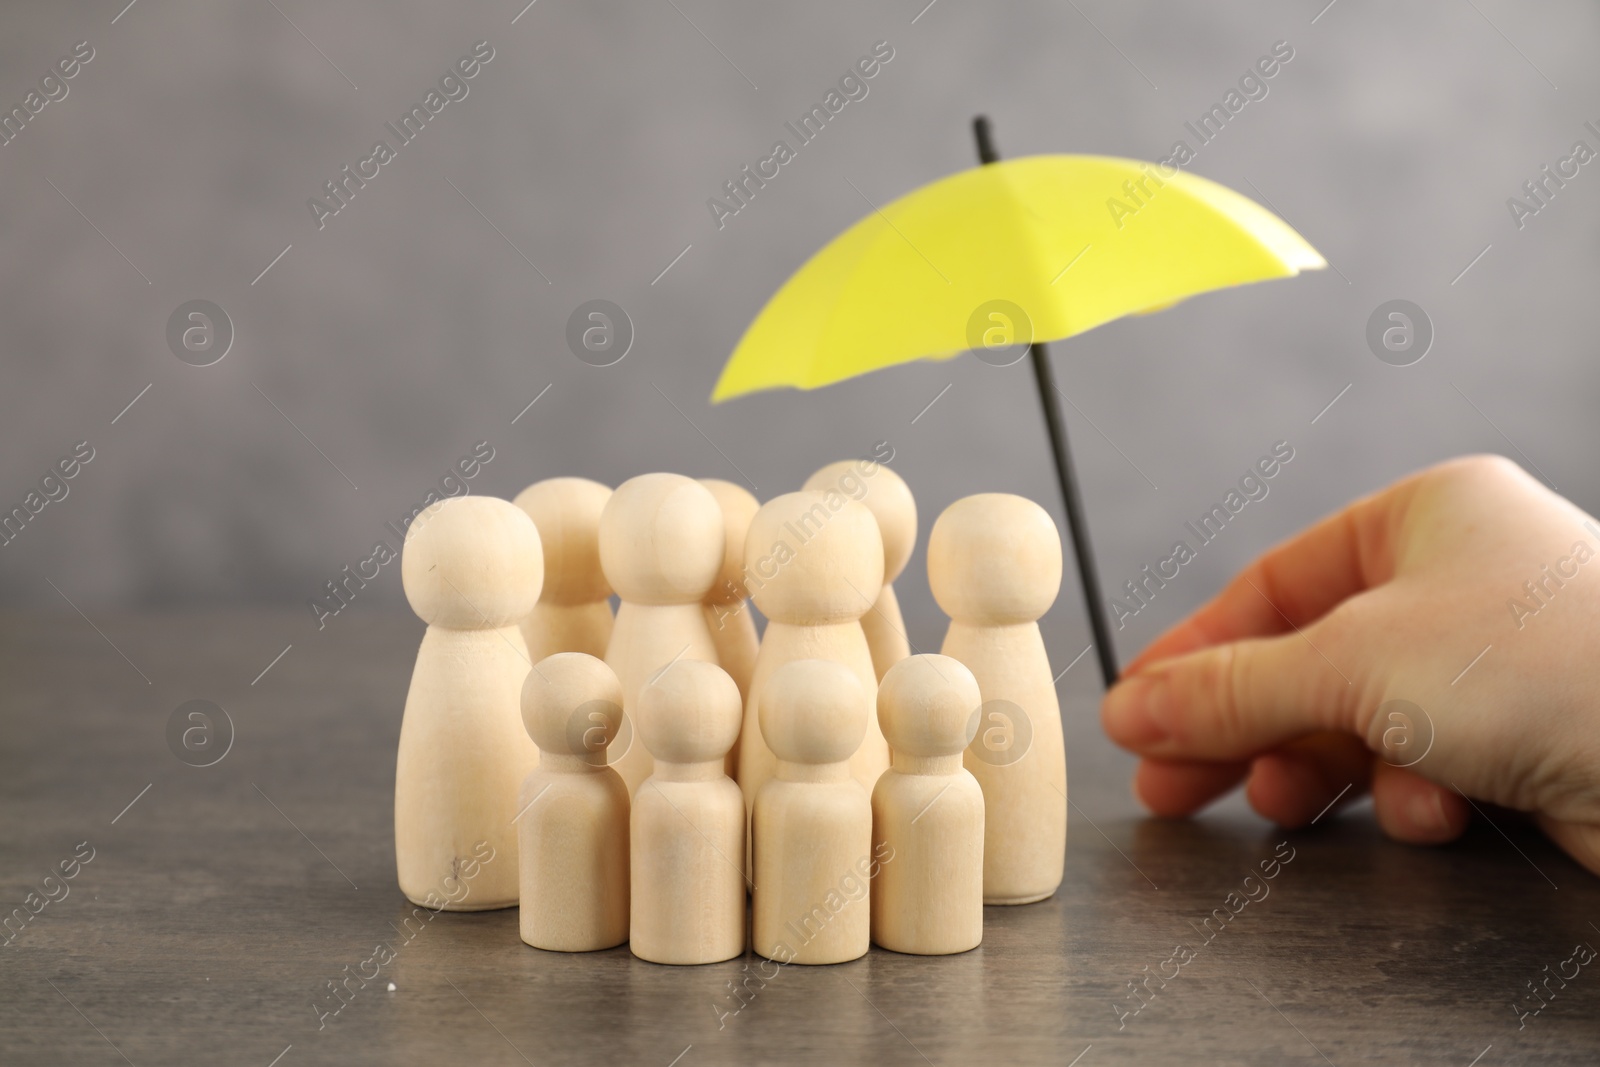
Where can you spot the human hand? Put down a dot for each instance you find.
(1285, 675)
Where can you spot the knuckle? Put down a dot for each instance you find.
(1200, 698)
(1483, 468)
(1230, 678)
(1337, 681)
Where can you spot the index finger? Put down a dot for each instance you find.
(1297, 582)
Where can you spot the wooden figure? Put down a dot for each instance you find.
(887, 496)
(661, 546)
(574, 610)
(728, 613)
(812, 570)
(572, 812)
(927, 812)
(471, 568)
(994, 566)
(688, 826)
(812, 825)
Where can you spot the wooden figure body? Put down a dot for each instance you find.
(927, 812)
(728, 613)
(812, 825)
(688, 826)
(887, 496)
(732, 623)
(812, 570)
(572, 818)
(574, 610)
(994, 566)
(471, 567)
(661, 545)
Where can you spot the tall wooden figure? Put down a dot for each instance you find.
(661, 544)
(927, 812)
(812, 570)
(889, 499)
(471, 568)
(994, 566)
(688, 821)
(813, 822)
(574, 610)
(733, 625)
(572, 819)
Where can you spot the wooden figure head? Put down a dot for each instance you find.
(886, 495)
(567, 513)
(812, 561)
(994, 559)
(928, 706)
(572, 706)
(813, 711)
(690, 712)
(661, 540)
(472, 563)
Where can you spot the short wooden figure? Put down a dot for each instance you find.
(927, 812)
(661, 546)
(889, 499)
(728, 614)
(994, 566)
(574, 610)
(688, 901)
(812, 823)
(572, 811)
(471, 568)
(813, 567)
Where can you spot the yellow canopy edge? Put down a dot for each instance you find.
(1074, 241)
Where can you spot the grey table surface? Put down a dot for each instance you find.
(220, 903)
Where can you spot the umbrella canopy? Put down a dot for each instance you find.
(1006, 257)
(1072, 241)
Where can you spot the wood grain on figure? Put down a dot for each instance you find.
(887, 496)
(688, 902)
(927, 812)
(471, 568)
(994, 566)
(661, 545)
(572, 811)
(812, 570)
(812, 825)
(733, 624)
(574, 610)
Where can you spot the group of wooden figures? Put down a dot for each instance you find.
(667, 760)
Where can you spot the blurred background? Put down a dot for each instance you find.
(372, 352)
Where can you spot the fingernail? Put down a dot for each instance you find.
(1133, 713)
(1426, 813)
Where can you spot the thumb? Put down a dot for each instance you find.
(1230, 701)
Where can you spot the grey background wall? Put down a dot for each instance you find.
(383, 345)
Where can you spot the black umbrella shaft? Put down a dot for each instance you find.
(1077, 526)
(1056, 425)
(986, 149)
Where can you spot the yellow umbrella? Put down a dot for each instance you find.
(1001, 258)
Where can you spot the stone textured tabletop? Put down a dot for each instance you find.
(210, 907)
